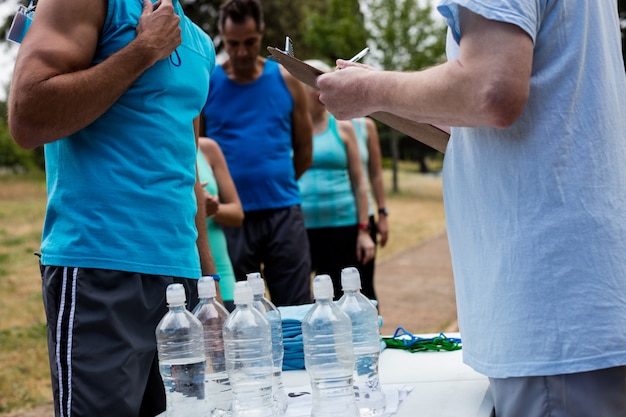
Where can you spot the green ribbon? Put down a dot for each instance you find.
(406, 341)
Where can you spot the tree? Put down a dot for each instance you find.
(340, 37)
(282, 18)
(406, 37)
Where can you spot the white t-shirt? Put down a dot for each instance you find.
(536, 213)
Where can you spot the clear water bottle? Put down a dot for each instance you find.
(212, 315)
(180, 347)
(271, 313)
(328, 354)
(366, 341)
(248, 352)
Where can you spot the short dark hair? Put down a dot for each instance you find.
(239, 10)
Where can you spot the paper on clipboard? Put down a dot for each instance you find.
(423, 132)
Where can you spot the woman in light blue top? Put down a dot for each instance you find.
(334, 196)
(223, 208)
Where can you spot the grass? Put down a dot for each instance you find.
(416, 215)
(24, 375)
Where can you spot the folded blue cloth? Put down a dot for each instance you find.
(292, 317)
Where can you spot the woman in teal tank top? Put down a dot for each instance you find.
(223, 208)
(334, 196)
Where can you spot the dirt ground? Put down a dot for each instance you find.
(415, 290)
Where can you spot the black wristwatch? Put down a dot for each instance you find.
(383, 210)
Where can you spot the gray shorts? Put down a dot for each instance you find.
(600, 393)
(101, 340)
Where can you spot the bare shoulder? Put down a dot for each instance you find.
(370, 123)
(207, 144)
(211, 149)
(346, 129)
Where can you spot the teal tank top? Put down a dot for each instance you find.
(120, 191)
(327, 197)
(217, 239)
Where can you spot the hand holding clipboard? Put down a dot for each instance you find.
(423, 132)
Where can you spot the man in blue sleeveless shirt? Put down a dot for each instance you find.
(534, 189)
(113, 89)
(257, 113)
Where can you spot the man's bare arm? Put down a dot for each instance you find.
(55, 91)
(301, 125)
(488, 85)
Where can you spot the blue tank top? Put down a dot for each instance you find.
(120, 191)
(327, 197)
(252, 124)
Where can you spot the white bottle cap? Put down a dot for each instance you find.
(243, 293)
(256, 283)
(206, 287)
(323, 287)
(350, 279)
(175, 295)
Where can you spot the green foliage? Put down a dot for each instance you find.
(307, 23)
(407, 34)
(14, 158)
(282, 18)
(407, 38)
(341, 36)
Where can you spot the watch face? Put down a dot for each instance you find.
(383, 211)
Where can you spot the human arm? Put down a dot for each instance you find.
(228, 210)
(364, 245)
(55, 90)
(375, 171)
(488, 85)
(301, 125)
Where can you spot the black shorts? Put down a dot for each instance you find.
(101, 340)
(274, 242)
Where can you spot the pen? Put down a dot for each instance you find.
(360, 55)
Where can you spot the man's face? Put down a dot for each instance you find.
(242, 43)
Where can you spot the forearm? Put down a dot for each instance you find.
(229, 214)
(488, 85)
(301, 162)
(439, 95)
(362, 205)
(378, 189)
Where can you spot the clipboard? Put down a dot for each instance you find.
(422, 132)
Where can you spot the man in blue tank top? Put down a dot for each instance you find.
(257, 113)
(113, 89)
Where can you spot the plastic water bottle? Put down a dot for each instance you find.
(212, 315)
(248, 352)
(366, 341)
(271, 313)
(180, 346)
(328, 355)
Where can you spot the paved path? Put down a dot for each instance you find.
(415, 289)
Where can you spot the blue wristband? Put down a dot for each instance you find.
(215, 277)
